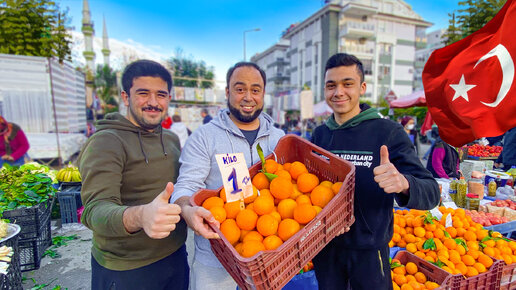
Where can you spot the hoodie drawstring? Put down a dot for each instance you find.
(141, 146)
(230, 141)
(162, 145)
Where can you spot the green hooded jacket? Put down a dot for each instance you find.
(123, 165)
(366, 113)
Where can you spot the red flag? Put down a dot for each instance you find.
(427, 123)
(470, 86)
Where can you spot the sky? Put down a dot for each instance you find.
(212, 31)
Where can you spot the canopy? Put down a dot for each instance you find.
(415, 99)
(322, 109)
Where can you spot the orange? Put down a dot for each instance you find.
(470, 236)
(281, 187)
(409, 238)
(461, 249)
(431, 285)
(271, 166)
(480, 267)
(468, 260)
(452, 231)
(321, 196)
(307, 181)
(267, 225)
(232, 209)
(230, 230)
(303, 199)
(286, 208)
(400, 270)
(222, 194)
(304, 213)
(287, 166)
(400, 279)
(283, 173)
(419, 232)
(212, 202)
(260, 181)
(238, 248)
(411, 248)
(252, 236)
(276, 215)
(219, 213)
(471, 272)
(420, 277)
(430, 227)
(450, 244)
(463, 269)
(396, 237)
(411, 268)
(438, 233)
(489, 251)
(336, 187)
(246, 219)
(266, 192)
(287, 228)
(295, 192)
(318, 209)
(272, 242)
(250, 248)
(251, 198)
(297, 168)
(263, 205)
(485, 260)
(242, 234)
(327, 183)
(454, 256)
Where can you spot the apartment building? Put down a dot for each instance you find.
(383, 34)
(434, 41)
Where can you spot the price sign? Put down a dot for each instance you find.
(235, 176)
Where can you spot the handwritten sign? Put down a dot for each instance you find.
(235, 176)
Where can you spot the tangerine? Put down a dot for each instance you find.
(272, 242)
(251, 248)
(230, 230)
(271, 166)
(246, 219)
(321, 196)
(306, 182)
(267, 225)
(281, 187)
(232, 209)
(286, 208)
(304, 213)
(212, 202)
(263, 205)
(260, 181)
(297, 168)
(336, 187)
(287, 228)
(219, 213)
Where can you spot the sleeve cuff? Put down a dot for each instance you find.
(175, 196)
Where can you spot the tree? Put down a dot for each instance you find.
(106, 88)
(189, 73)
(475, 15)
(34, 27)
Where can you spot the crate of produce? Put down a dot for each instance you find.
(32, 250)
(32, 220)
(12, 279)
(69, 198)
(483, 281)
(431, 271)
(274, 268)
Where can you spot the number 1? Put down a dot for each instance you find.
(235, 183)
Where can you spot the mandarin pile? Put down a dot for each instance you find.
(277, 210)
(455, 243)
(407, 276)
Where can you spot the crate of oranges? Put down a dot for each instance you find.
(503, 249)
(288, 220)
(415, 273)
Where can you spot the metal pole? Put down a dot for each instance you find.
(59, 159)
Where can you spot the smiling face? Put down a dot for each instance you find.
(148, 101)
(342, 91)
(245, 97)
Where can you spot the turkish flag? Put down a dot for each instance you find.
(470, 85)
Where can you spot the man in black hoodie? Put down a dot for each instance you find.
(386, 168)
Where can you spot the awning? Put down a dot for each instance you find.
(322, 109)
(415, 99)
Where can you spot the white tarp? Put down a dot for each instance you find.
(306, 100)
(322, 109)
(44, 145)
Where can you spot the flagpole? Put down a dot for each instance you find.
(55, 115)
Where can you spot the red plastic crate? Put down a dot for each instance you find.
(508, 279)
(273, 269)
(431, 271)
(486, 280)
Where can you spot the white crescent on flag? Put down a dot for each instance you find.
(507, 64)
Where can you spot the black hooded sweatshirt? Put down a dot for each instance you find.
(358, 141)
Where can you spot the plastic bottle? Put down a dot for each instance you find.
(452, 191)
(512, 172)
(498, 181)
(472, 201)
(491, 188)
(510, 182)
(462, 190)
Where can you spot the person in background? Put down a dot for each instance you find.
(431, 135)
(166, 123)
(236, 129)
(356, 132)
(179, 128)
(443, 161)
(409, 124)
(14, 144)
(127, 169)
(206, 118)
(507, 157)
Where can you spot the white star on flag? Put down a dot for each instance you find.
(461, 89)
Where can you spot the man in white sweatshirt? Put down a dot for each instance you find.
(179, 129)
(239, 128)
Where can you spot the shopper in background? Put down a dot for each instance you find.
(206, 118)
(409, 125)
(179, 128)
(443, 161)
(508, 156)
(14, 144)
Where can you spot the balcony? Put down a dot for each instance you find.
(358, 9)
(360, 51)
(352, 29)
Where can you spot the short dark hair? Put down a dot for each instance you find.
(176, 118)
(144, 68)
(249, 64)
(204, 111)
(344, 59)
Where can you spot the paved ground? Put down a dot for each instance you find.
(72, 269)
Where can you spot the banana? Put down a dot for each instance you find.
(68, 176)
(76, 176)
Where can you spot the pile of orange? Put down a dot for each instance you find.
(276, 211)
(459, 247)
(408, 277)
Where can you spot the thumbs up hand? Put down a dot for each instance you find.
(159, 217)
(387, 176)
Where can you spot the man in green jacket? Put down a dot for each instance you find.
(128, 167)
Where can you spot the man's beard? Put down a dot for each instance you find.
(141, 121)
(243, 118)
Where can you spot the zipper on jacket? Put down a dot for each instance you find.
(251, 151)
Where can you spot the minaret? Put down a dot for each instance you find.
(88, 31)
(105, 44)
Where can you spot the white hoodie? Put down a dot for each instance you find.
(181, 131)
